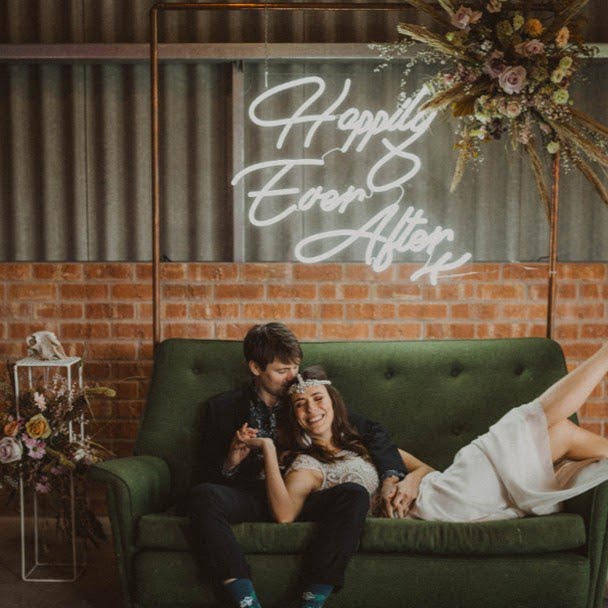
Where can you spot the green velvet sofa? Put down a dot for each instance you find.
(435, 397)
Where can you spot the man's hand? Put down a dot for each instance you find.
(406, 492)
(239, 450)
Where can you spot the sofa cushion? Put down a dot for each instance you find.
(507, 537)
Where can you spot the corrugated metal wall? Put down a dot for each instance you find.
(75, 152)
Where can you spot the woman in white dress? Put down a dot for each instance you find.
(530, 461)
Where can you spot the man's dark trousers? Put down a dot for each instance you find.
(339, 513)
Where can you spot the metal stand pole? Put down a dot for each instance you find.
(554, 225)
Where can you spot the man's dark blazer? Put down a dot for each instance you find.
(227, 412)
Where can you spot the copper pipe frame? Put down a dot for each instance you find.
(271, 6)
(554, 226)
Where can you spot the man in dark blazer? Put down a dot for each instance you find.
(233, 490)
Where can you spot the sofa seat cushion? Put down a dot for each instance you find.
(516, 536)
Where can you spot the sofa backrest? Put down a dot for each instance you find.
(433, 396)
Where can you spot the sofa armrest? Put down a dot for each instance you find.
(135, 486)
(592, 506)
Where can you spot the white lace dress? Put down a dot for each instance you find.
(351, 467)
(503, 474)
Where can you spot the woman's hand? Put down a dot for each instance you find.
(252, 441)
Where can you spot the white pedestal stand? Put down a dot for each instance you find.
(75, 567)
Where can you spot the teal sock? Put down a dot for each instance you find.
(243, 594)
(315, 595)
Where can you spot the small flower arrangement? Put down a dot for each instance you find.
(36, 444)
(509, 73)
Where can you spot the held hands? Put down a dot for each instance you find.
(398, 496)
(239, 450)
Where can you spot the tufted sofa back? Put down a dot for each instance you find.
(433, 396)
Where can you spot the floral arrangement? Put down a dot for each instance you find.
(508, 72)
(36, 444)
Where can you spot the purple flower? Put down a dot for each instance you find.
(36, 451)
(494, 66)
(464, 16)
(530, 47)
(43, 487)
(512, 79)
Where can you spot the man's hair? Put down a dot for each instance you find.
(265, 343)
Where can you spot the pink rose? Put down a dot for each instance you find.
(11, 450)
(512, 79)
(530, 47)
(494, 65)
(464, 16)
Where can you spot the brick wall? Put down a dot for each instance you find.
(103, 313)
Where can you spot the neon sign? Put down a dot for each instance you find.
(397, 228)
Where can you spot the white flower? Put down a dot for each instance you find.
(40, 401)
(246, 601)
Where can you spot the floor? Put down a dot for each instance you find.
(96, 588)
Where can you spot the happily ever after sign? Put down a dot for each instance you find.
(283, 184)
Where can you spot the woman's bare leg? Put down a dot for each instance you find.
(571, 441)
(568, 395)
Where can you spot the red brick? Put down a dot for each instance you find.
(318, 272)
(13, 350)
(142, 331)
(525, 272)
(239, 292)
(171, 271)
(524, 311)
(592, 290)
(478, 312)
(146, 351)
(327, 291)
(345, 331)
(132, 291)
(355, 291)
(18, 330)
(452, 291)
(594, 410)
(500, 292)
(83, 292)
(125, 390)
(130, 409)
(449, 330)
(370, 311)
(19, 271)
(186, 292)
(292, 292)
(363, 272)
(214, 311)
(2, 330)
(505, 330)
(97, 371)
(143, 311)
(397, 331)
(187, 330)
(266, 311)
(331, 311)
(405, 271)
(595, 330)
(571, 310)
(423, 311)
(61, 311)
(112, 350)
(579, 351)
(32, 291)
(16, 310)
(108, 271)
(85, 330)
(264, 272)
(479, 272)
(175, 311)
(581, 271)
(109, 311)
(408, 291)
(305, 331)
(102, 410)
(566, 291)
(58, 272)
(212, 272)
(232, 331)
(306, 311)
(565, 331)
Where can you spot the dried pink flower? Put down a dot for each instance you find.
(512, 79)
(464, 17)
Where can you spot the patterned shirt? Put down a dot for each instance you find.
(264, 419)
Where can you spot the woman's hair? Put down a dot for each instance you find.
(293, 440)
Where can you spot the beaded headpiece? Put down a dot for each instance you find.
(301, 385)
